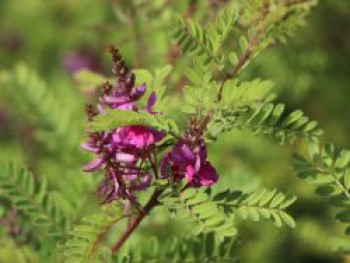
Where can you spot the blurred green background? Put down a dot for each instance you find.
(55, 38)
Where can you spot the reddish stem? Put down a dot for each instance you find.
(152, 202)
(153, 164)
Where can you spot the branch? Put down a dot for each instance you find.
(152, 202)
(289, 3)
(191, 9)
(247, 54)
(242, 61)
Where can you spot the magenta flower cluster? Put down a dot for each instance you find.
(124, 152)
(188, 160)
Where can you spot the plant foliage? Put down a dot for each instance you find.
(161, 159)
(260, 204)
(85, 242)
(45, 111)
(203, 212)
(199, 248)
(32, 198)
(327, 167)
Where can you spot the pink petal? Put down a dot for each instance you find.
(113, 99)
(87, 146)
(125, 157)
(116, 184)
(125, 106)
(207, 174)
(189, 174)
(95, 164)
(100, 108)
(197, 166)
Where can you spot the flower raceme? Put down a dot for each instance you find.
(188, 160)
(123, 152)
(188, 157)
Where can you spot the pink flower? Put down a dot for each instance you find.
(139, 137)
(188, 161)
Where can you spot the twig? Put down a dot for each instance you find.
(191, 9)
(290, 3)
(153, 165)
(247, 54)
(153, 201)
(140, 47)
(264, 11)
(241, 61)
(100, 237)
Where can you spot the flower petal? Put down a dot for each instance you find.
(207, 174)
(144, 182)
(152, 99)
(94, 165)
(114, 99)
(87, 146)
(125, 157)
(125, 106)
(189, 174)
(137, 92)
(198, 163)
(187, 153)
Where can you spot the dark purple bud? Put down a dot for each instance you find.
(151, 102)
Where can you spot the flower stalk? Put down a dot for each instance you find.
(152, 202)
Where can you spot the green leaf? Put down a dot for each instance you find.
(194, 41)
(159, 78)
(287, 219)
(344, 216)
(277, 200)
(143, 76)
(243, 42)
(202, 211)
(113, 119)
(347, 180)
(325, 190)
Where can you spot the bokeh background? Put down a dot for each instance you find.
(56, 38)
